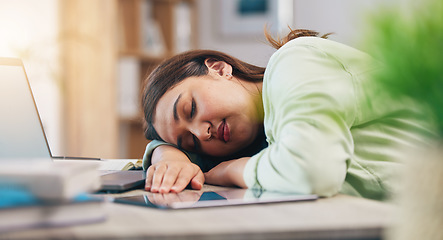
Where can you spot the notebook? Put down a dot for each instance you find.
(22, 134)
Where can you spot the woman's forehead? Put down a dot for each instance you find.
(163, 118)
(166, 103)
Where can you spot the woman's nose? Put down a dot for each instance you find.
(202, 131)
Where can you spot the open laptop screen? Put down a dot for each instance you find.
(21, 132)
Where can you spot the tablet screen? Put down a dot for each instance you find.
(199, 199)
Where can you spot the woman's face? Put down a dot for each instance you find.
(213, 114)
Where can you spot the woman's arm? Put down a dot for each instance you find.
(172, 171)
(228, 173)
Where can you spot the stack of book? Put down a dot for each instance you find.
(48, 194)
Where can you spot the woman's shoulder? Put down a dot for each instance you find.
(326, 46)
(312, 63)
(302, 51)
(308, 41)
(315, 42)
(297, 53)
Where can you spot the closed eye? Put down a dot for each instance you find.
(192, 114)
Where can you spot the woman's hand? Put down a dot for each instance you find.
(172, 171)
(228, 173)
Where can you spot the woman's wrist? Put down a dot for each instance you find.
(228, 173)
(167, 152)
(235, 172)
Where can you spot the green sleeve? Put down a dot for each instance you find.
(148, 152)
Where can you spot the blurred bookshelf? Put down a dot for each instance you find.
(149, 31)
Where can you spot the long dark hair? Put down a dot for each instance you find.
(192, 63)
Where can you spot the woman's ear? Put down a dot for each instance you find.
(221, 68)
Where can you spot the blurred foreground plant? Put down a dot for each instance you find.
(410, 43)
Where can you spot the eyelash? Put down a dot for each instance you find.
(191, 115)
(192, 109)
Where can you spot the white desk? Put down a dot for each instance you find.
(339, 217)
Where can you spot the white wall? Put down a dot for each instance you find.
(250, 49)
(346, 18)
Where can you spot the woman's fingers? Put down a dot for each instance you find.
(191, 175)
(169, 179)
(181, 182)
(164, 178)
(157, 178)
(149, 175)
(198, 180)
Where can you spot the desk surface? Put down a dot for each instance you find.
(338, 217)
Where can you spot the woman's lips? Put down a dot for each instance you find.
(223, 132)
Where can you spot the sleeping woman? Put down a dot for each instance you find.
(312, 121)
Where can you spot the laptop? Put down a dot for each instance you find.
(22, 134)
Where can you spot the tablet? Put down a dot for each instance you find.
(200, 199)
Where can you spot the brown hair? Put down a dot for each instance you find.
(192, 63)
